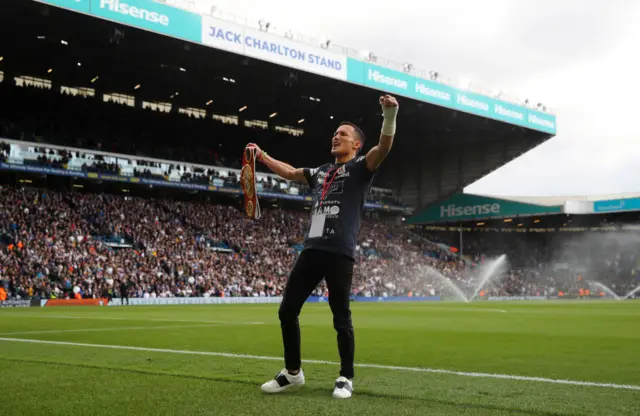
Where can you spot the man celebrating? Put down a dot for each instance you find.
(339, 192)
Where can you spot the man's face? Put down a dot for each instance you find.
(345, 141)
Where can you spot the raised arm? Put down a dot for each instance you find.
(378, 153)
(281, 169)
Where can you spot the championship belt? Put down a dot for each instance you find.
(248, 182)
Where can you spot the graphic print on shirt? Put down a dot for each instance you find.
(330, 185)
(338, 199)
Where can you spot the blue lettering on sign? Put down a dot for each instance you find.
(274, 48)
(284, 51)
(325, 62)
(226, 35)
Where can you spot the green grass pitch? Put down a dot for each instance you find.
(142, 361)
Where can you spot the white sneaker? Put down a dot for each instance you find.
(283, 381)
(343, 388)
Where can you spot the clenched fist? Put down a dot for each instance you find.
(389, 111)
(388, 101)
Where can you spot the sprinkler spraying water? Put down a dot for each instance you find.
(605, 289)
(431, 272)
(633, 292)
(488, 271)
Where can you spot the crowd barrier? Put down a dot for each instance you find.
(197, 301)
(15, 303)
(213, 301)
(259, 300)
(75, 302)
(251, 300)
(314, 299)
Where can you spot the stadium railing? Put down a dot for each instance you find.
(77, 159)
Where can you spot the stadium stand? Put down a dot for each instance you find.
(91, 129)
(57, 244)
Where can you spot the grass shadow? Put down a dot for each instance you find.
(306, 391)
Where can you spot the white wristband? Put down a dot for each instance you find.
(389, 120)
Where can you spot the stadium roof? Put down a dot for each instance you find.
(471, 207)
(560, 200)
(439, 150)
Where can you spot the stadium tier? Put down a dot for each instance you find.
(84, 165)
(450, 137)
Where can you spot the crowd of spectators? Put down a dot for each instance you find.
(56, 244)
(57, 241)
(549, 262)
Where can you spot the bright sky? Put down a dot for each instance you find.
(578, 57)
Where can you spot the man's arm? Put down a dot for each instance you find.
(281, 169)
(378, 153)
(284, 170)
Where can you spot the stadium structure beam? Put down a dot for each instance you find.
(432, 133)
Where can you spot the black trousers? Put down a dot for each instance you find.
(308, 271)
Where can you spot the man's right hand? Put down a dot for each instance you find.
(258, 150)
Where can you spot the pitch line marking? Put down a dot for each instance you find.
(130, 318)
(376, 366)
(120, 328)
(445, 309)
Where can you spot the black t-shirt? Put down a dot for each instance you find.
(335, 220)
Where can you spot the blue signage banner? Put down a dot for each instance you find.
(161, 18)
(511, 113)
(614, 205)
(396, 82)
(542, 121)
(469, 207)
(181, 185)
(144, 14)
(151, 15)
(42, 169)
(401, 83)
(268, 47)
(473, 103)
